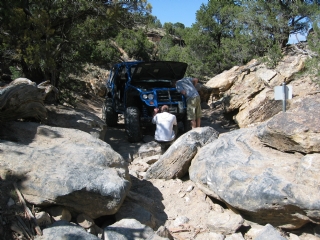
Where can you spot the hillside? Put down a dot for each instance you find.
(265, 151)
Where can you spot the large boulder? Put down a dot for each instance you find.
(290, 65)
(224, 80)
(297, 130)
(175, 162)
(22, 99)
(248, 91)
(243, 90)
(261, 108)
(265, 185)
(65, 167)
(67, 117)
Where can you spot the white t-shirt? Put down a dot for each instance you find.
(164, 126)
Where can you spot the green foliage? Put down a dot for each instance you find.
(152, 21)
(104, 52)
(313, 63)
(53, 39)
(70, 87)
(173, 29)
(229, 33)
(15, 72)
(273, 56)
(135, 44)
(50, 37)
(211, 37)
(165, 45)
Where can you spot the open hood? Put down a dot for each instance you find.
(159, 70)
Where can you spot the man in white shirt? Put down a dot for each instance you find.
(165, 123)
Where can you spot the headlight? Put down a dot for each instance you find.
(144, 96)
(150, 96)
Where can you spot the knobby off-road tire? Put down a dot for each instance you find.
(108, 114)
(132, 124)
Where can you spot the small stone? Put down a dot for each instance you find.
(164, 232)
(43, 219)
(84, 221)
(141, 174)
(190, 188)
(293, 237)
(180, 220)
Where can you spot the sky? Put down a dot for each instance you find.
(183, 11)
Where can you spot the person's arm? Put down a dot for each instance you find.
(155, 111)
(180, 88)
(195, 81)
(175, 126)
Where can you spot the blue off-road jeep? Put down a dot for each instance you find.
(136, 88)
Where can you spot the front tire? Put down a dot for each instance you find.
(108, 114)
(132, 124)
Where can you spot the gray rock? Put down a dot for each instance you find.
(128, 229)
(265, 185)
(180, 221)
(225, 222)
(164, 232)
(261, 108)
(85, 221)
(269, 232)
(175, 162)
(295, 130)
(64, 167)
(63, 230)
(43, 219)
(67, 117)
(135, 211)
(22, 99)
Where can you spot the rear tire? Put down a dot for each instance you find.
(108, 114)
(132, 124)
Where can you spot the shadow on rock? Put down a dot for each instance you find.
(143, 203)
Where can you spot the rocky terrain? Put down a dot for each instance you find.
(249, 172)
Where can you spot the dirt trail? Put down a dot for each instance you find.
(116, 136)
